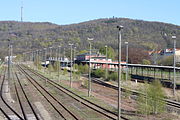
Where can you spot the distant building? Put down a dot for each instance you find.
(85, 56)
(11, 59)
(166, 52)
(97, 61)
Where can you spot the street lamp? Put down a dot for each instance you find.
(174, 80)
(89, 82)
(126, 60)
(106, 62)
(119, 71)
(71, 67)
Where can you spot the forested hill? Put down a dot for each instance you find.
(27, 36)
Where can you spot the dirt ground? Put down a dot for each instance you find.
(129, 105)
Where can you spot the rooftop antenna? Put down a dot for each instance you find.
(21, 11)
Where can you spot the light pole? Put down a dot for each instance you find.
(50, 57)
(106, 62)
(9, 52)
(89, 82)
(74, 59)
(59, 63)
(37, 59)
(45, 60)
(71, 67)
(126, 60)
(119, 71)
(64, 64)
(33, 60)
(174, 80)
(23, 57)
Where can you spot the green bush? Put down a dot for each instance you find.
(65, 71)
(146, 62)
(113, 76)
(152, 102)
(55, 66)
(83, 68)
(98, 73)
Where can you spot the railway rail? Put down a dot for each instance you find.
(52, 100)
(6, 104)
(168, 101)
(26, 97)
(78, 98)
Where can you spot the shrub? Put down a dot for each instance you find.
(55, 66)
(113, 76)
(65, 71)
(152, 102)
(50, 68)
(83, 68)
(98, 73)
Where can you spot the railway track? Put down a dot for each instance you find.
(6, 104)
(26, 98)
(169, 102)
(78, 98)
(52, 100)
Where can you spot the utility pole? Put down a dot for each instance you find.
(22, 12)
(126, 60)
(59, 63)
(11, 55)
(74, 59)
(45, 59)
(50, 58)
(119, 71)
(71, 67)
(89, 82)
(64, 57)
(174, 80)
(34, 59)
(106, 62)
(37, 58)
(9, 52)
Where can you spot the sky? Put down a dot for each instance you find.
(75, 11)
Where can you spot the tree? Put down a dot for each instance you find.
(37, 63)
(56, 66)
(99, 73)
(146, 62)
(152, 102)
(83, 68)
(167, 61)
(50, 68)
(136, 55)
(113, 76)
(110, 52)
(65, 71)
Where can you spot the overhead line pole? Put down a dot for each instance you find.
(106, 62)
(59, 63)
(89, 82)
(126, 60)
(119, 71)
(9, 64)
(174, 80)
(71, 67)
